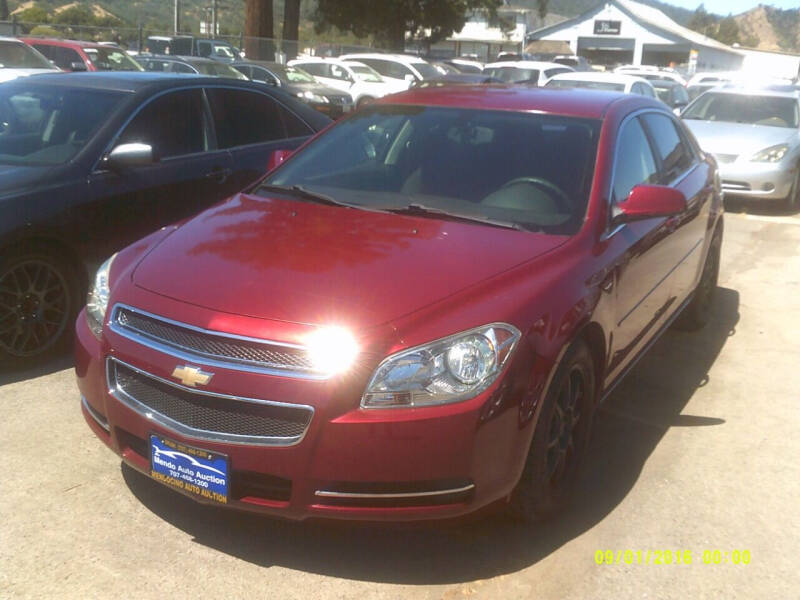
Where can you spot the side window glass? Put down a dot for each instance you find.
(398, 71)
(203, 48)
(294, 126)
(242, 117)
(675, 156)
(172, 124)
(338, 72)
(314, 69)
(177, 67)
(634, 162)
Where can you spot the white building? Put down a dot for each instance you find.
(767, 63)
(626, 32)
(485, 37)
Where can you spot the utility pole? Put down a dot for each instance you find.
(176, 20)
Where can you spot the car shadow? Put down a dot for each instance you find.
(764, 208)
(10, 374)
(629, 426)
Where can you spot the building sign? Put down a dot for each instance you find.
(607, 27)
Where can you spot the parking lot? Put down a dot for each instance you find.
(695, 451)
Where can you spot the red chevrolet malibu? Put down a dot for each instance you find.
(414, 316)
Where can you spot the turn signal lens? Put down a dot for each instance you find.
(332, 350)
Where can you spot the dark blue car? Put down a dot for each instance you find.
(91, 162)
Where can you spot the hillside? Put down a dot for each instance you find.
(775, 29)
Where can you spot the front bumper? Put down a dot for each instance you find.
(400, 465)
(756, 180)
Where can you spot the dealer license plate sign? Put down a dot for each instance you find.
(192, 470)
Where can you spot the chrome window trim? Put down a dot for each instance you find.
(204, 359)
(201, 434)
(330, 494)
(609, 232)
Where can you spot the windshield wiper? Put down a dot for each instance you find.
(420, 210)
(306, 194)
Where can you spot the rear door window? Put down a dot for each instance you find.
(634, 164)
(674, 154)
(242, 117)
(173, 124)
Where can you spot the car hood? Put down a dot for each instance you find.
(295, 261)
(738, 138)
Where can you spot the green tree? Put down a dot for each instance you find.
(75, 15)
(728, 31)
(702, 21)
(33, 14)
(388, 22)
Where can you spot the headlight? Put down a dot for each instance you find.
(449, 370)
(772, 154)
(312, 97)
(97, 300)
(332, 350)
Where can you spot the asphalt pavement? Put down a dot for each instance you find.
(697, 450)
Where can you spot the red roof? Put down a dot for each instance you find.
(569, 102)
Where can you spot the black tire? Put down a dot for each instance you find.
(39, 300)
(698, 312)
(557, 451)
(792, 201)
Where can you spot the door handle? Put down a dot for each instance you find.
(219, 174)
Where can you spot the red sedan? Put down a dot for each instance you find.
(412, 317)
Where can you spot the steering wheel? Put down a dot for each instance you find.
(553, 190)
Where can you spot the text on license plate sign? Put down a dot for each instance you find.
(193, 470)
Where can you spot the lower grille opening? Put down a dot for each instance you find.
(135, 443)
(397, 494)
(735, 185)
(269, 487)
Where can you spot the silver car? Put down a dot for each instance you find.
(755, 137)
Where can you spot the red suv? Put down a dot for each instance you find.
(412, 317)
(69, 55)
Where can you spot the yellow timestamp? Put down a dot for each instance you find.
(671, 557)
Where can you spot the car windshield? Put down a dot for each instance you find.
(530, 170)
(513, 74)
(223, 51)
(111, 59)
(294, 75)
(591, 85)
(16, 55)
(215, 69)
(427, 70)
(662, 93)
(41, 126)
(772, 111)
(365, 73)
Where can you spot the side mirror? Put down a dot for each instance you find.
(78, 66)
(126, 156)
(649, 202)
(277, 157)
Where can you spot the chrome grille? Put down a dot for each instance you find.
(340, 99)
(213, 345)
(206, 415)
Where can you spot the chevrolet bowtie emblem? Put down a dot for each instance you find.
(191, 376)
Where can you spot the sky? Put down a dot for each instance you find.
(723, 7)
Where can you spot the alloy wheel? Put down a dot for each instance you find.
(34, 307)
(567, 412)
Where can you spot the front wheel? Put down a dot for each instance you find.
(793, 199)
(560, 439)
(38, 302)
(698, 312)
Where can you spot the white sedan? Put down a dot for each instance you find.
(613, 82)
(362, 82)
(530, 72)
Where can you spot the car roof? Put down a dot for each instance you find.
(128, 81)
(404, 58)
(62, 43)
(526, 64)
(595, 76)
(591, 104)
(192, 60)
